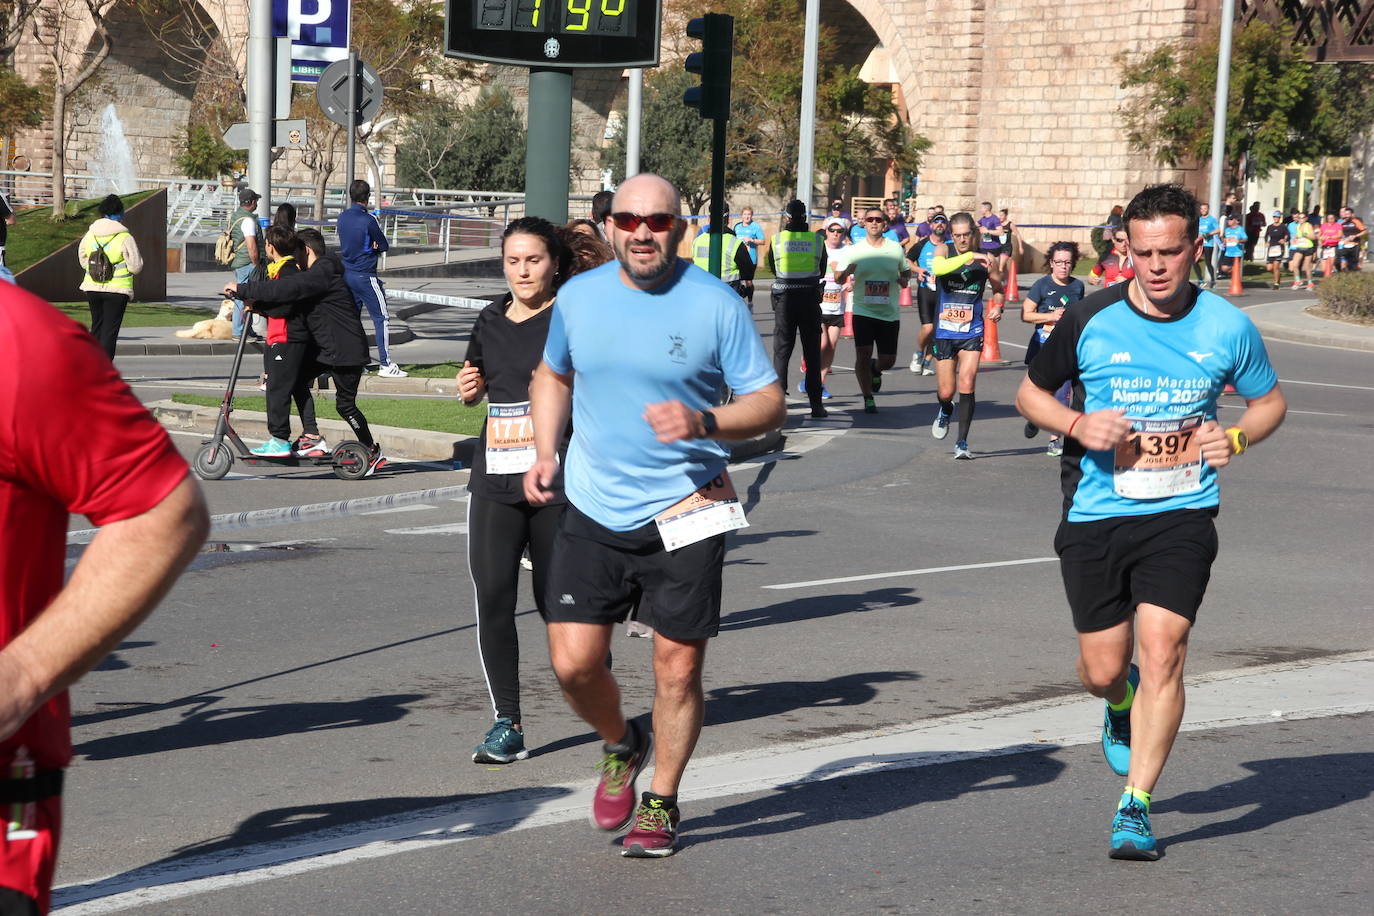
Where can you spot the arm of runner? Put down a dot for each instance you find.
(747, 416)
(941, 265)
(1262, 416)
(998, 299)
(471, 385)
(1030, 316)
(127, 569)
(550, 405)
(1099, 430)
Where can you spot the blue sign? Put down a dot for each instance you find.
(318, 30)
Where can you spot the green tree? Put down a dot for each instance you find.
(1281, 107)
(477, 147)
(206, 156)
(858, 131)
(674, 140)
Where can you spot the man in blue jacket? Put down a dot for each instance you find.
(360, 241)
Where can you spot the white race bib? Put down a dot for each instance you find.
(1160, 458)
(1275, 251)
(956, 318)
(510, 438)
(876, 292)
(702, 514)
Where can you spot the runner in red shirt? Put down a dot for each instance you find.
(73, 438)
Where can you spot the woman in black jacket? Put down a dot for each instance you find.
(337, 345)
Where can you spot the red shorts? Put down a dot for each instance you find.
(28, 849)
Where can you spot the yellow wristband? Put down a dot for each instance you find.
(1239, 440)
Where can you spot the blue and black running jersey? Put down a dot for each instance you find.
(1167, 374)
(960, 311)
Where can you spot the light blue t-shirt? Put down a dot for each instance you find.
(858, 232)
(1235, 237)
(751, 231)
(1167, 374)
(1206, 225)
(628, 348)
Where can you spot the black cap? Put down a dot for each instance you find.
(248, 195)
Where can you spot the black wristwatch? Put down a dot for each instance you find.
(708, 422)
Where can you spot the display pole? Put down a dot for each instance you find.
(548, 150)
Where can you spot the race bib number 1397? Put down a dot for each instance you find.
(1160, 457)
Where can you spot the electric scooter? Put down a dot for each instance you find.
(214, 459)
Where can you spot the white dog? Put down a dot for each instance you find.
(218, 328)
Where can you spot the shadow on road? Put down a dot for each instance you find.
(819, 606)
(1281, 788)
(759, 701)
(884, 784)
(113, 662)
(247, 723)
(279, 835)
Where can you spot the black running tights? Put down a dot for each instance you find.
(497, 535)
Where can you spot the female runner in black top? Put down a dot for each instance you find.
(506, 345)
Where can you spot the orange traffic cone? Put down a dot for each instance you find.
(848, 329)
(992, 350)
(1327, 264)
(904, 297)
(1237, 282)
(1012, 294)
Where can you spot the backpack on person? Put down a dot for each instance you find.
(225, 249)
(98, 263)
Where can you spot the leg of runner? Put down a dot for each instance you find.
(578, 654)
(1162, 638)
(863, 371)
(967, 371)
(806, 311)
(830, 338)
(679, 705)
(944, 390)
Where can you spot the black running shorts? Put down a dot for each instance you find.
(926, 300)
(1112, 565)
(944, 348)
(832, 321)
(876, 333)
(599, 576)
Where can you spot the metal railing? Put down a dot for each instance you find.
(437, 220)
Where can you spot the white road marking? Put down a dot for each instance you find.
(910, 572)
(1314, 413)
(1319, 688)
(1291, 381)
(455, 528)
(416, 508)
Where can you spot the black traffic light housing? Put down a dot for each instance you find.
(712, 62)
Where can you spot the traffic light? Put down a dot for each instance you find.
(717, 34)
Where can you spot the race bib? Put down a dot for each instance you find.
(1047, 329)
(1350, 244)
(956, 318)
(876, 292)
(510, 438)
(704, 513)
(1275, 251)
(831, 295)
(1160, 458)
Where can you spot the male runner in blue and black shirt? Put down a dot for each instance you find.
(1148, 359)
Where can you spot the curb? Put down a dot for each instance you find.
(397, 442)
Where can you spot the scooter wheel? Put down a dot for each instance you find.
(350, 461)
(213, 468)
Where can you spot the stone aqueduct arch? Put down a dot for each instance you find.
(1027, 96)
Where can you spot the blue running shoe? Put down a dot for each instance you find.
(1116, 732)
(503, 744)
(801, 385)
(825, 393)
(274, 448)
(1132, 837)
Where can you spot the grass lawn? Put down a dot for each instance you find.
(444, 416)
(35, 235)
(142, 314)
(433, 370)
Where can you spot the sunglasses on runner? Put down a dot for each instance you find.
(835, 229)
(876, 219)
(657, 222)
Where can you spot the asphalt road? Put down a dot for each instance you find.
(291, 731)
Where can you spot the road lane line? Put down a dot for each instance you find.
(910, 572)
(418, 507)
(1288, 691)
(1291, 381)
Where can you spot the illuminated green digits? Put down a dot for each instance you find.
(608, 10)
(584, 10)
(535, 20)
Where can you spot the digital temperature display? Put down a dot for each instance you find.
(555, 33)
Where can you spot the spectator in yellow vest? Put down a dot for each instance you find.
(108, 299)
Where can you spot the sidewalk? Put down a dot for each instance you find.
(1289, 320)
